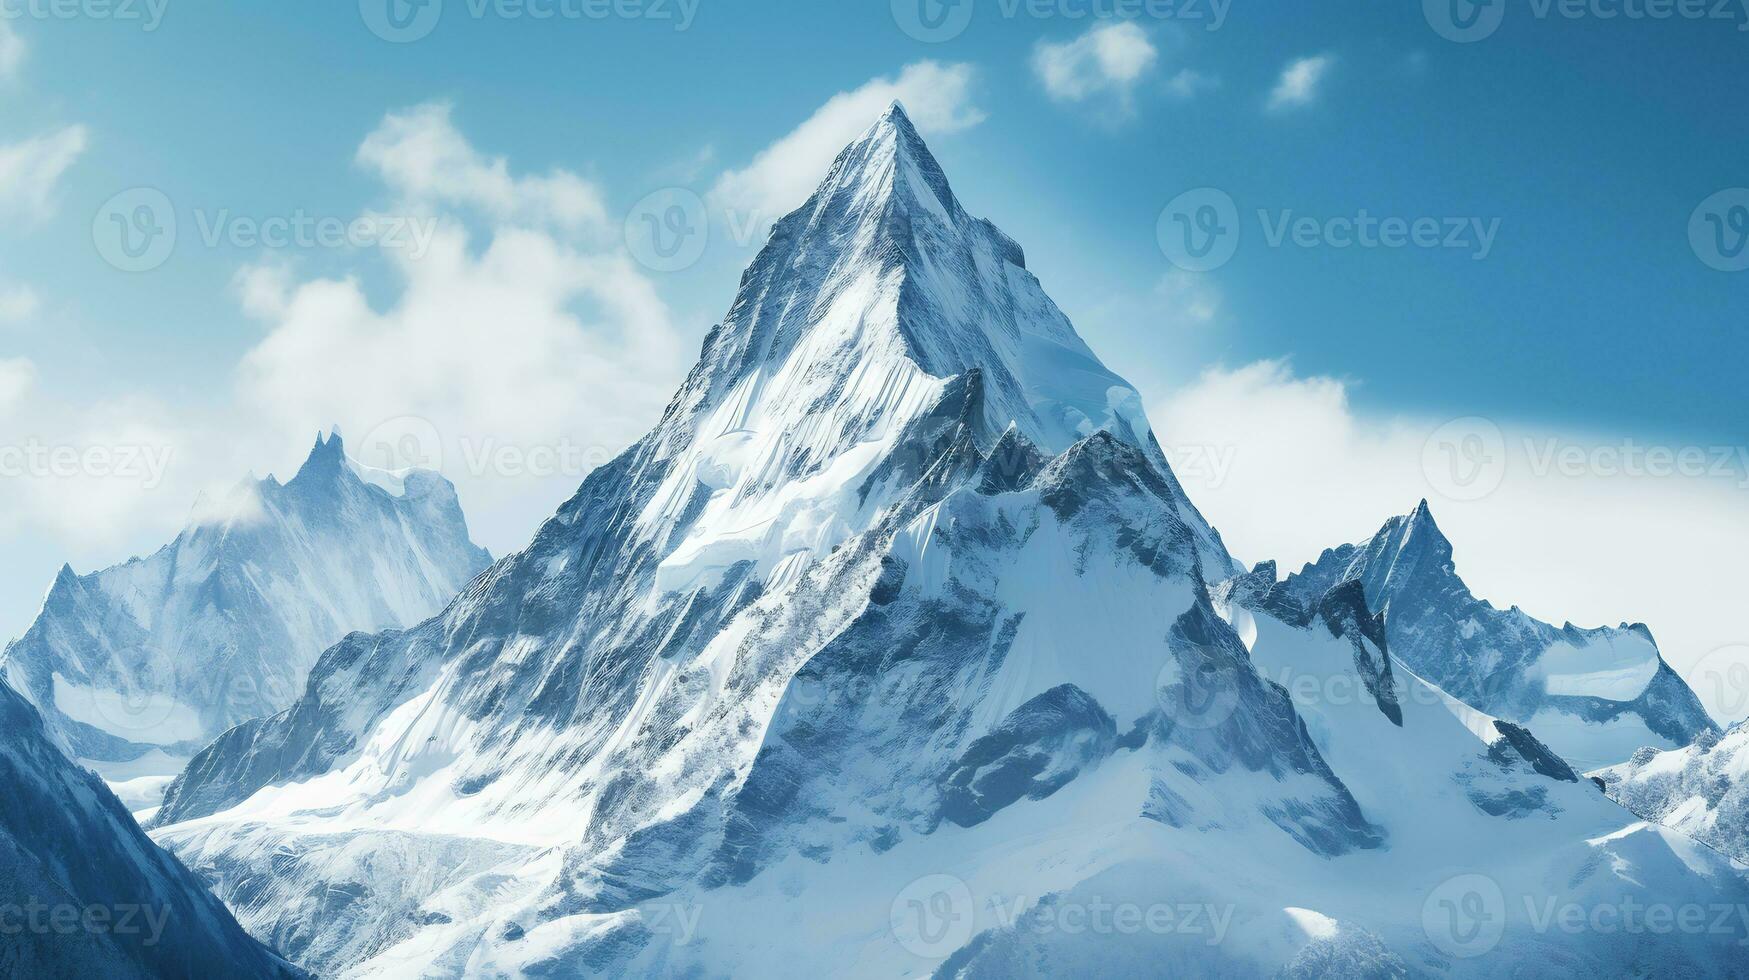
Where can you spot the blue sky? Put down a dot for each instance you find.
(1584, 142)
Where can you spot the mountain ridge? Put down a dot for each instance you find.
(843, 643)
(153, 657)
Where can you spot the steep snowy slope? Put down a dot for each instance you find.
(1701, 789)
(893, 636)
(137, 666)
(1594, 695)
(83, 892)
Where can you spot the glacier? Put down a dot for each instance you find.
(896, 649)
(138, 666)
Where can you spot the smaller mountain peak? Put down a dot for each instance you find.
(1420, 527)
(327, 458)
(65, 585)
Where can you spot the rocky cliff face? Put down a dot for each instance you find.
(84, 893)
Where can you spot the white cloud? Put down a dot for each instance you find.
(937, 97)
(426, 160)
(1300, 82)
(11, 51)
(31, 170)
(18, 303)
(1108, 59)
(1185, 299)
(17, 374)
(1285, 467)
(1190, 83)
(496, 360)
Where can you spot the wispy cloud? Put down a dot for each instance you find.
(17, 374)
(31, 171)
(1189, 83)
(11, 51)
(17, 304)
(534, 343)
(937, 97)
(423, 157)
(1300, 82)
(1108, 60)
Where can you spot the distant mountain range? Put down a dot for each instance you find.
(138, 666)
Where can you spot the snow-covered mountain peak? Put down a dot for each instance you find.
(327, 457)
(1594, 695)
(137, 665)
(882, 273)
(890, 166)
(848, 325)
